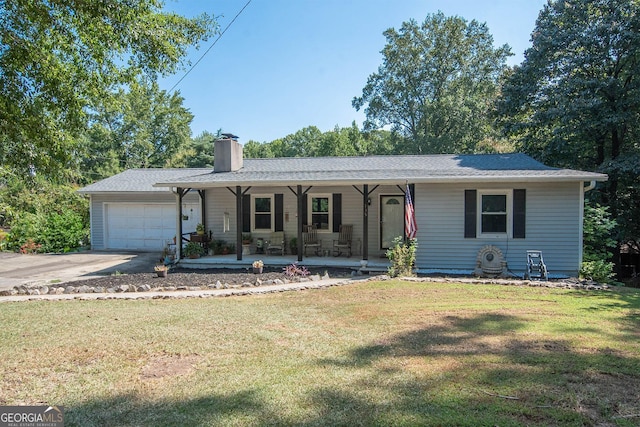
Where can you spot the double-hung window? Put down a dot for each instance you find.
(320, 212)
(494, 219)
(263, 212)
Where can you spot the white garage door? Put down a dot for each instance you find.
(143, 226)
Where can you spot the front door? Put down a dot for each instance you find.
(391, 219)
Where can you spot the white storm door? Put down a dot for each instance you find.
(391, 219)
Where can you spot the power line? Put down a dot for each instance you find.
(210, 47)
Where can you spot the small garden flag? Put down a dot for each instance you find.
(410, 226)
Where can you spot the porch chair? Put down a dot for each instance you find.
(276, 242)
(310, 239)
(536, 268)
(344, 240)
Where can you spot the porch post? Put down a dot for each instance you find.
(300, 222)
(239, 223)
(203, 208)
(178, 235)
(365, 222)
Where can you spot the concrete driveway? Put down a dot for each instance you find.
(17, 269)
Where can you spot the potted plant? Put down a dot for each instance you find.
(193, 250)
(161, 270)
(217, 246)
(246, 238)
(293, 246)
(258, 266)
(200, 229)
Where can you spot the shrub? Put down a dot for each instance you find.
(193, 249)
(402, 256)
(600, 271)
(63, 231)
(598, 229)
(30, 247)
(25, 232)
(43, 217)
(294, 270)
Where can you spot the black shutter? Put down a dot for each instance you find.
(337, 212)
(303, 211)
(470, 213)
(246, 213)
(519, 213)
(279, 212)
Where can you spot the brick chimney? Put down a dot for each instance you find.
(227, 154)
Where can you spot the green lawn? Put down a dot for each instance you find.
(377, 353)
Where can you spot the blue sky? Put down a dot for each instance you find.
(284, 65)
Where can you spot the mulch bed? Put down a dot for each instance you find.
(180, 277)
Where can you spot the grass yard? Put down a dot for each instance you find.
(377, 353)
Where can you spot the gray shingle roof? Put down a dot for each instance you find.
(351, 170)
(138, 180)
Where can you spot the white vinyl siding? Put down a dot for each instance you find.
(552, 224)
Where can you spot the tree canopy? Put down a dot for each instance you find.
(142, 127)
(57, 57)
(575, 100)
(436, 85)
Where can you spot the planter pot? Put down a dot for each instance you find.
(257, 270)
(194, 256)
(162, 273)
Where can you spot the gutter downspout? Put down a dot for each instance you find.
(589, 187)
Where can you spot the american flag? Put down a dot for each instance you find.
(410, 226)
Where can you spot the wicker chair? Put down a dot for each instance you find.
(276, 242)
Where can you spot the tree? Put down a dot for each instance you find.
(436, 84)
(343, 142)
(575, 100)
(143, 127)
(303, 143)
(256, 150)
(201, 150)
(57, 57)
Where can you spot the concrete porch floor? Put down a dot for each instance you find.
(230, 261)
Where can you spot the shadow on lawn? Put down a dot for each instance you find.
(129, 410)
(483, 374)
(480, 370)
(625, 299)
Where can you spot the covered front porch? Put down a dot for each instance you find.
(230, 261)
